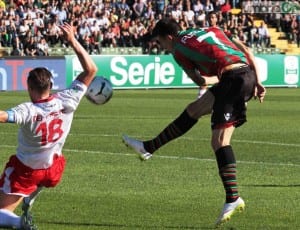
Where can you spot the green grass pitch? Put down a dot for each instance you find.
(105, 186)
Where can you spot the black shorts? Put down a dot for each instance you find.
(235, 88)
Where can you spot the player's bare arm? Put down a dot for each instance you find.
(260, 90)
(211, 80)
(88, 65)
(3, 116)
(200, 80)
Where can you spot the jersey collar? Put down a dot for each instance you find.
(50, 98)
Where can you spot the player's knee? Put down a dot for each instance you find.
(219, 141)
(215, 144)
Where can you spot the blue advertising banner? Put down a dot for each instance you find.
(13, 72)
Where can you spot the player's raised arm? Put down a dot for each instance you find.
(88, 65)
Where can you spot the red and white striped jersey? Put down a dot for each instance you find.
(45, 125)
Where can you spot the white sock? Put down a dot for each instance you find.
(9, 219)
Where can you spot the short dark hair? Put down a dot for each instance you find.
(39, 79)
(166, 26)
(212, 12)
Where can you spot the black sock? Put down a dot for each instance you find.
(177, 128)
(227, 171)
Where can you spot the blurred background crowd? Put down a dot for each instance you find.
(30, 27)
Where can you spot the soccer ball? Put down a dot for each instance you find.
(99, 91)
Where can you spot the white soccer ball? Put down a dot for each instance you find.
(99, 91)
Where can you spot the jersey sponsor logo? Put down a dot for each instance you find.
(39, 117)
(227, 116)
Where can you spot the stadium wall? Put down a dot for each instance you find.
(138, 71)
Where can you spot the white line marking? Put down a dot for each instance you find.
(170, 157)
(186, 138)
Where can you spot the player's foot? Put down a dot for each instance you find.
(229, 210)
(138, 146)
(26, 222)
(26, 218)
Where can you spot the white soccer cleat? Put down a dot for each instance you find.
(229, 210)
(138, 146)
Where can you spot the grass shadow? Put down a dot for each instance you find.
(273, 185)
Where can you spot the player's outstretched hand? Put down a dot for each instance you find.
(68, 31)
(260, 92)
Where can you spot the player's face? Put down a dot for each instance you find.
(213, 20)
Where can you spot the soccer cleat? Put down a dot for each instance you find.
(26, 218)
(26, 222)
(138, 146)
(229, 210)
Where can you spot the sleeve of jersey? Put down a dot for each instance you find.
(72, 96)
(19, 114)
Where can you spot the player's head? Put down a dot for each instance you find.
(165, 31)
(39, 80)
(212, 18)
